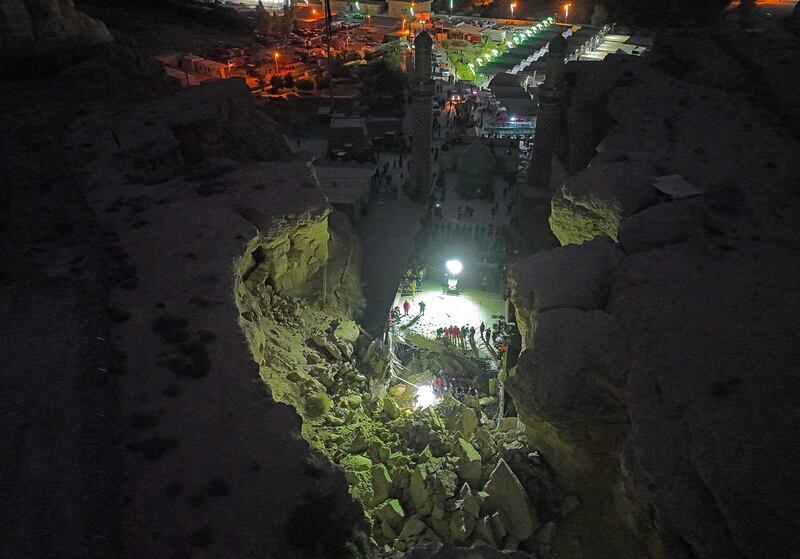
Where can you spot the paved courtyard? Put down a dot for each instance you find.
(469, 308)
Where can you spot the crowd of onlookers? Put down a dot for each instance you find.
(464, 337)
(455, 382)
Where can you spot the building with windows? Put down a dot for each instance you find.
(189, 69)
(401, 9)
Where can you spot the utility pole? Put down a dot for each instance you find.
(328, 23)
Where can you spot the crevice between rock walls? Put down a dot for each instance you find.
(424, 479)
(290, 260)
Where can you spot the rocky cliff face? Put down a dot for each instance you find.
(657, 370)
(35, 27)
(203, 443)
(194, 128)
(220, 119)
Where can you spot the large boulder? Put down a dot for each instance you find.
(381, 483)
(431, 484)
(458, 418)
(506, 495)
(391, 512)
(329, 345)
(348, 331)
(575, 364)
(665, 224)
(455, 551)
(46, 26)
(595, 201)
(469, 461)
(568, 276)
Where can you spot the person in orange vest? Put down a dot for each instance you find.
(406, 307)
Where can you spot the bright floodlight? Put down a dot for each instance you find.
(454, 267)
(425, 397)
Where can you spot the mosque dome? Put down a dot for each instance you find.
(476, 170)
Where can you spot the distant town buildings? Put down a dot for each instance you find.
(406, 9)
(347, 136)
(188, 69)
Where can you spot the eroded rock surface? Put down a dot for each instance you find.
(190, 233)
(46, 26)
(664, 368)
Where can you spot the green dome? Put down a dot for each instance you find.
(476, 171)
(477, 159)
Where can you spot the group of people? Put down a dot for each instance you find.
(488, 241)
(456, 383)
(496, 207)
(412, 281)
(499, 337)
(383, 176)
(456, 336)
(465, 211)
(395, 316)
(407, 307)
(464, 337)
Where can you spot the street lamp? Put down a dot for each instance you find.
(566, 12)
(276, 62)
(425, 397)
(451, 7)
(454, 267)
(512, 9)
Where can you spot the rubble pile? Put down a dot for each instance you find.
(440, 475)
(445, 474)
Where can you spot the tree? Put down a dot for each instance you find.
(288, 81)
(261, 17)
(287, 23)
(305, 85)
(268, 28)
(392, 59)
(276, 81)
(599, 16)
(383, 85)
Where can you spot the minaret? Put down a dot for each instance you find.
(550, 96)
(421, 86)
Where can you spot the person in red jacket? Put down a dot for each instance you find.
(406, 307)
